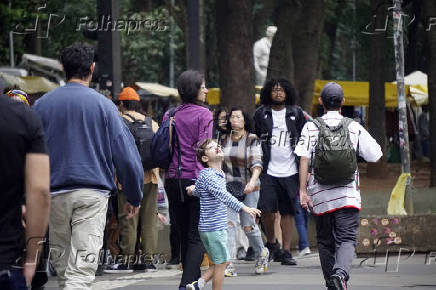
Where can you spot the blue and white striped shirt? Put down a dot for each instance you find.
(214, 200)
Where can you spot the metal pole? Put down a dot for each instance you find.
(402, 109)
(11, 41)
(11, 48)
(171, 68)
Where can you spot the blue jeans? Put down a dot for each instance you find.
(12, 280)
(255, 236)
(301, 218)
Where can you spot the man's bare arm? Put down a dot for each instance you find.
(37, 177)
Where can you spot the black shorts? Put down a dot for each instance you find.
(278, 194)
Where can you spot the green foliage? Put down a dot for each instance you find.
(145, 54)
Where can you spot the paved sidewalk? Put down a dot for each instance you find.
(412, 274)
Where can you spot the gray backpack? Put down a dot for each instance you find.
(335, 160)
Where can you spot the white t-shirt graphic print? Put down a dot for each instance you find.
(282, 162)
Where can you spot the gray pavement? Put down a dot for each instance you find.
(412, 273)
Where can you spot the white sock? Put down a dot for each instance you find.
(201, 283)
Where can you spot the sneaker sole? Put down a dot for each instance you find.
(338, 283)
(117, 271)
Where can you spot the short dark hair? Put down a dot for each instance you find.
(290, 92)
(331, 103)
(201, 151)
(77, 60)
(248, 124)
(188, 85)
(131, 105)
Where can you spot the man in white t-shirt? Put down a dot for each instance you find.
(278, 124)
(335, 206)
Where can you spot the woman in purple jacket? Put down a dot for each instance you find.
(193, 124)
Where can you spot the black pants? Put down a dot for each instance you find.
(174, 242)
(336, 234)
(185, 216)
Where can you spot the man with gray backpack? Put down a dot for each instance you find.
(332, 192)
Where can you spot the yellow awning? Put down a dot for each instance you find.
(213, 96)
(357, 93)
(157, 89)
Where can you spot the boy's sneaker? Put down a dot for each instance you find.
(304, 252)
(230, 271)
(118, 269)
(250, 254)
(287, 259)
(262, 262)
(339, 282)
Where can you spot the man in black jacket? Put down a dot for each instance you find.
(278, 123)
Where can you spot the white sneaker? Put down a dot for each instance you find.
(262, 262)
(304, 252)
(230, 271)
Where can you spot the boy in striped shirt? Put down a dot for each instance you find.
(214, 200)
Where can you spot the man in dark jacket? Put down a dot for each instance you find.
(278, 123)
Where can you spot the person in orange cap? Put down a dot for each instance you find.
(130, 105)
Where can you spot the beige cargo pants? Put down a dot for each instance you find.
(76, 228)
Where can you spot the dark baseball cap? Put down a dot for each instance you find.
(332, 95)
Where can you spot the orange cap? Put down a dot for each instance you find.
(128, 94)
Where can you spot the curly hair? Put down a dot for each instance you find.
(77, 60)
(290, 92)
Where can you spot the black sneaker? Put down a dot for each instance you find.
(118, 269)
(287, 259)
(339, 282)
(274, 251)
(250, 254)
(151, 268)
(140, 267)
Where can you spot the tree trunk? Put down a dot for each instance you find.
(306, 39)
(281, 60)
(234, 25)
(376, 115)
(431, 12)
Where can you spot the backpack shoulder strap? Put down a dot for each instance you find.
(320, 124)
(346, 122)
(148, 121)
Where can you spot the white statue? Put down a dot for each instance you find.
(261, 51)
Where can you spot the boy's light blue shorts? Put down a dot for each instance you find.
(216, 245)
